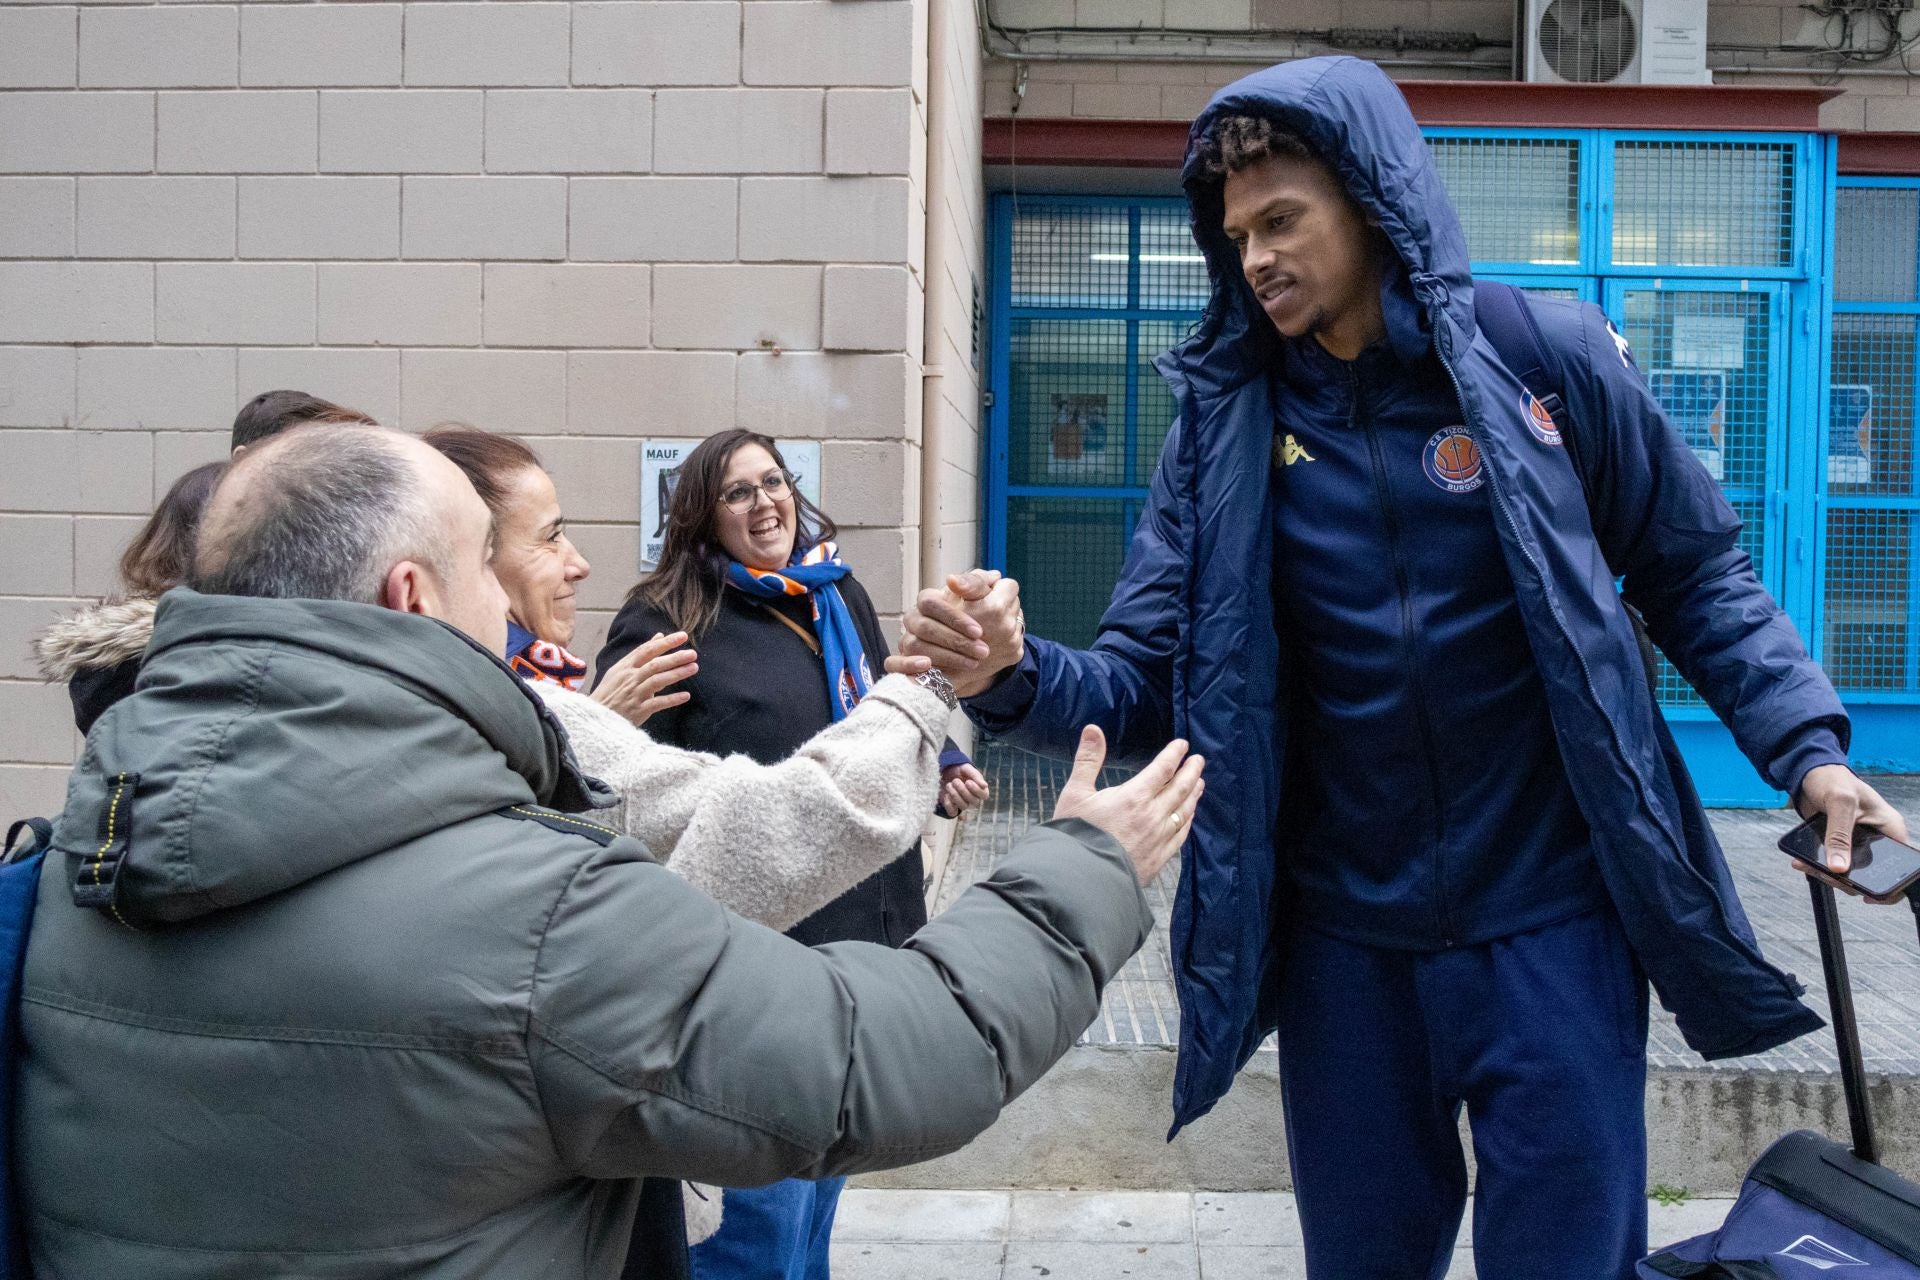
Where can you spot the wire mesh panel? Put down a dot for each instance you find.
(1156, 400)
(1066, 554)
(1067, 410)
(1709, 356)
(1870, 433)
(1173, 274)
(1870, 641)
(1080, 413)
(1703, 204)
(1518, 198)
(1876, 234)
(1070, 256)
(1871, 631)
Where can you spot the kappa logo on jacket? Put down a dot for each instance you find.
(1452, 461)
(1289, 451)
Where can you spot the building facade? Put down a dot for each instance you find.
(939, 239)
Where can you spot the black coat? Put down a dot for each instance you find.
(762, 692)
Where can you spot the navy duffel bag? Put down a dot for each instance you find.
(1811, 1206)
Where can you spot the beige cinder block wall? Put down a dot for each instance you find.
(1162, 59)
(589, 223)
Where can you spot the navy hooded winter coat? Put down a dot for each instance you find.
(1188, 646)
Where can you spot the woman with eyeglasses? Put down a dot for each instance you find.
(789, 643)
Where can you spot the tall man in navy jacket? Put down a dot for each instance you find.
(1447, 839)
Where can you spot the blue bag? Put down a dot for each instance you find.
(19, 887)
(1810, 1205)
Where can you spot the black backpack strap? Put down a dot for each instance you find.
(1506, 318)
(39, 838)
(554, 820)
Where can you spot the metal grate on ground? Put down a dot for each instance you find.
(1140, 1008)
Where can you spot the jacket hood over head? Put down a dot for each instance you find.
(1356, 118)
(273, 741)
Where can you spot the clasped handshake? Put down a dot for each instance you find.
(973, 630)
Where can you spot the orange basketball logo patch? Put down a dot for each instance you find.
(1452, 461)
(1539, 421)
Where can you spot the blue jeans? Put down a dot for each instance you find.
(779, 1232)
(1541, 1036)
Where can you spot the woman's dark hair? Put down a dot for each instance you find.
(271, 412)
(489, 461)
(160, 557)
(692, 573)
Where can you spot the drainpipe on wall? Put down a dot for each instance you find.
(937, 314)
(938, 845)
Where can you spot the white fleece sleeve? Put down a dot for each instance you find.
(776, 842)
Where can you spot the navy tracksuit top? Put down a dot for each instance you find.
(1434, 808)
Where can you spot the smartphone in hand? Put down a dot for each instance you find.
(1882, 866)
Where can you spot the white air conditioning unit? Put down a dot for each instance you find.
(1614, 41)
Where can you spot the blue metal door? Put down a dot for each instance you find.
(1087, 292)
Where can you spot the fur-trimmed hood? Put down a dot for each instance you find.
(95, 638)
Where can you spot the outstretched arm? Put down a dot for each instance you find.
(773, 842)
(1667, 529)
(668, 1038)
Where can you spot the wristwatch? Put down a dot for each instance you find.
(937, 681)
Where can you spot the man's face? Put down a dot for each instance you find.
(462, 591)
(1305, 248)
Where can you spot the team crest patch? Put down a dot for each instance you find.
(1539, 421)
(1452, 461)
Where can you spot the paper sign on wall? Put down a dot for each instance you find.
(660, 474)
(1710, 342)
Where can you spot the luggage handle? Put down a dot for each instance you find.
(1846, 1028)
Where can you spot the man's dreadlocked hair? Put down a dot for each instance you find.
(1233, 143)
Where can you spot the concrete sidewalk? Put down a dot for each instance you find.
(1145, 1235)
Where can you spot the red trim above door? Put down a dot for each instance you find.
(1160, 144)
(1880, 155)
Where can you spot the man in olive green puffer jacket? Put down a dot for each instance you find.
(321, 985)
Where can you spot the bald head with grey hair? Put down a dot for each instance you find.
(357, 513)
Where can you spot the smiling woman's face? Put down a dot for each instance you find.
(536, 562)
(761, 537)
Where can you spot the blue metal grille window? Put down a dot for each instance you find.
(1067, 401)
(1066, 554)
(1070, 256)
(1703, 204)
(1877, 231)
(1098, 288)
(1173, 274)
(1871, 472)
(1519, 198)
(1708, 355)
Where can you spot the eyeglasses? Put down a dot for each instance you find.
(741, 497)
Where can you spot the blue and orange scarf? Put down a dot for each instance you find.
(814, 574)
(535, 660)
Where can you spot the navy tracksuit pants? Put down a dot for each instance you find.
(1540, 1036)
